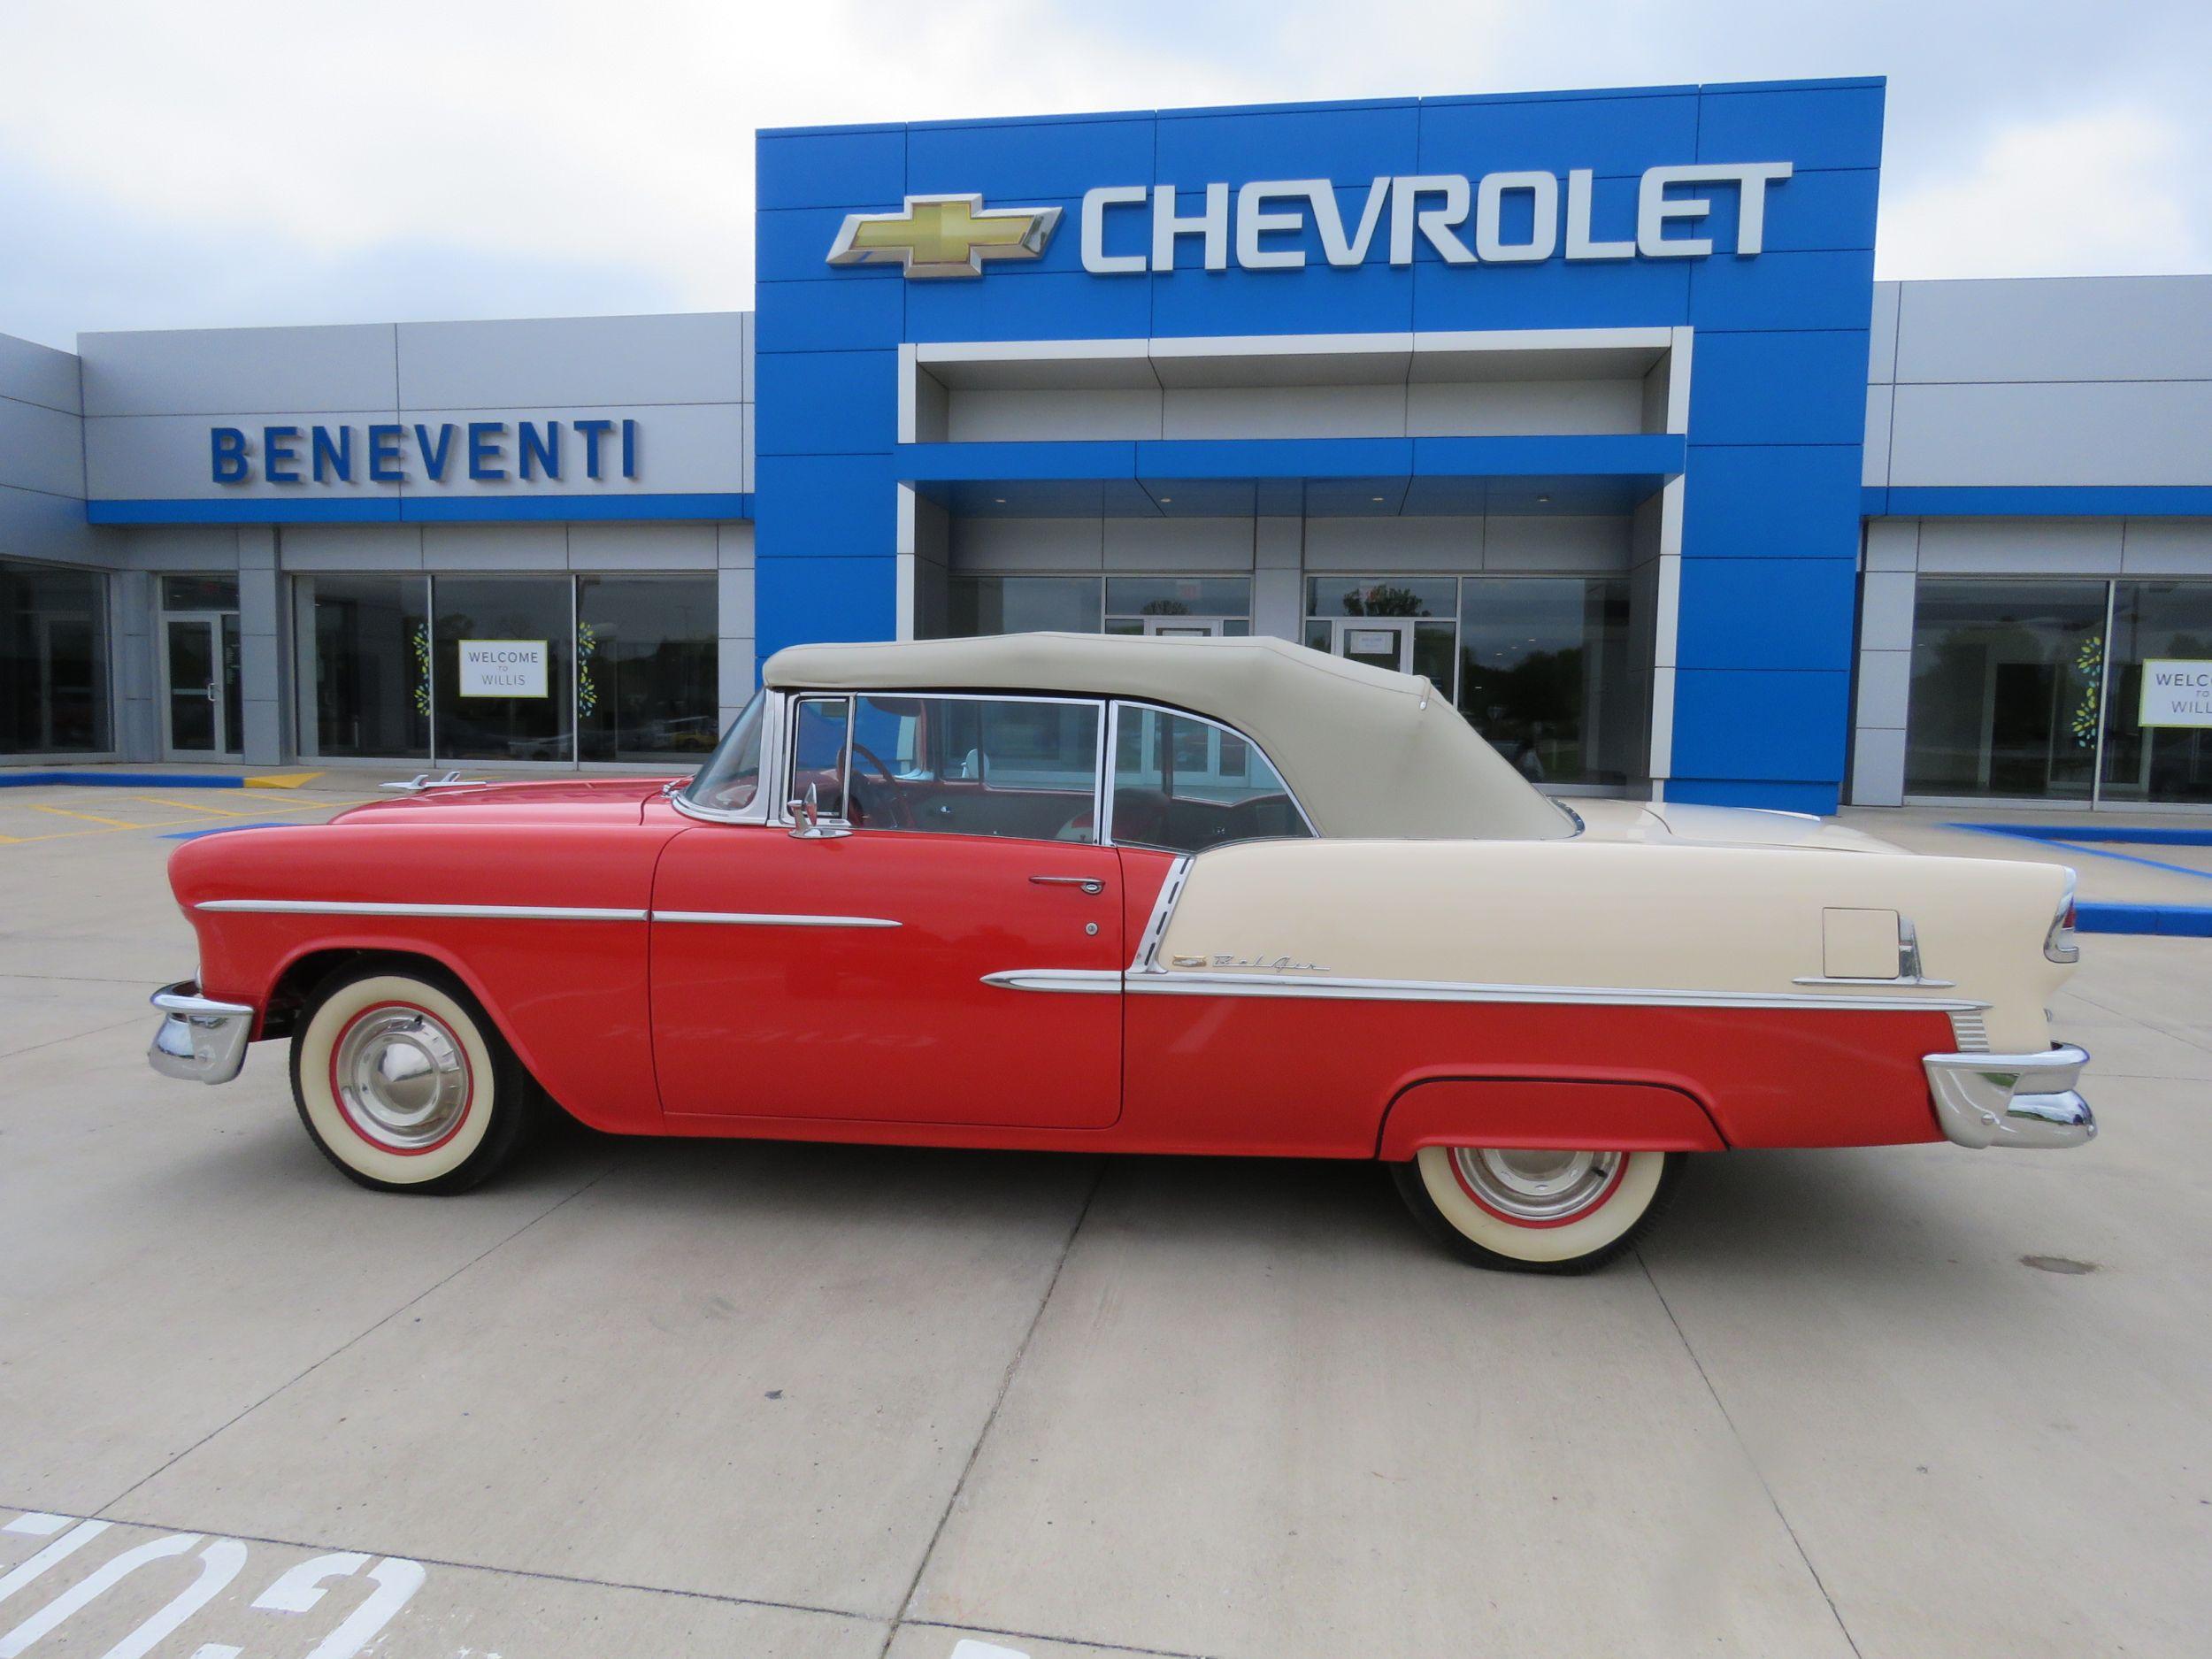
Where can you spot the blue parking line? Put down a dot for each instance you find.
(2183, 921)
(2140, 834)
(11, 779)
(2046, 836)
(222, 829)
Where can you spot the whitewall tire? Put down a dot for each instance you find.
(1538, 1212)
(403, 1082)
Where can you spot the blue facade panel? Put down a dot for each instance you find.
(1770, 463)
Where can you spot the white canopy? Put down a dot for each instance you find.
(1367, 752)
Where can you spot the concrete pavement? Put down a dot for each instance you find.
(790, 1401)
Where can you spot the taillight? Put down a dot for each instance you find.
(2058, 944)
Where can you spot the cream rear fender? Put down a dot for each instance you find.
(1628, 922)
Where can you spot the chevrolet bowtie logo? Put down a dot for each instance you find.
(944, 235)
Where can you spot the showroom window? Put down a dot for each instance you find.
(2158, 721)
(2008, 680)
(2067, 690)
(1539, 665)
(646, 676)
(1172, 605)
(521, 668)
(53, 661)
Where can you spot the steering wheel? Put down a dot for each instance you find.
(901, 815)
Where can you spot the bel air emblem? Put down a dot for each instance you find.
(1249, 964)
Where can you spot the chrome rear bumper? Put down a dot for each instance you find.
(2012, 1100)
(202, 1040)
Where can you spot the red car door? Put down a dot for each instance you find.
(847, 978)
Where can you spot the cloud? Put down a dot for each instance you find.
(223, 162)
(2100, 194)
(81, 262)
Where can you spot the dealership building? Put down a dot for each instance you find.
(1584, 405)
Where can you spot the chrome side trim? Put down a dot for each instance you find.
(485, 912)
(1970, 1032)
(1161, 983)
(1830, 979)
(1085, 981)
(1146, 959)
(2012, 1100)
(770, 918)
(198, 1040)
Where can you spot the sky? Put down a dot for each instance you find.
(210, 164)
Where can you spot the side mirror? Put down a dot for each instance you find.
(808, 814)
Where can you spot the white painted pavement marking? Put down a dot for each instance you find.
(60, 1549)
(968, 1647)
(298, 1589)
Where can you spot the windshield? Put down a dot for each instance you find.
(731, 778)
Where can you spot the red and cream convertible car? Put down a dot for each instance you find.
(1120, 894)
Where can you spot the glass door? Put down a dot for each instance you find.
(202, 713)
(1379, 642)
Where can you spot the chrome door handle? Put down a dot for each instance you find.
(1089, 883)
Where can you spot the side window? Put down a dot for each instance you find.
(1004, 767)
(817, 752)
(1187, 784)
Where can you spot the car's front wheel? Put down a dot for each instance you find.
(1538, 1211)
(404, 1083)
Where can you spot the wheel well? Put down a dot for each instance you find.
(288, 995)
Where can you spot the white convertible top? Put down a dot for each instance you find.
(1367, 752)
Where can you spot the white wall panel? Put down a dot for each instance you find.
(995, 415)
(39, 374)
(41, 448)
(596, 546)
(2166, 547)
(352, 546)
(494, 547)
(1485, 409)
(1178, 544)
(2058, 547)
(1874, 459)
(687, 358)
(2067, 328)
(239, 371)
(2135, 433)
(1592, 543)
(1881, 355)
(35, 524)
(1394, 544)
(1027, 544)
(175, 546)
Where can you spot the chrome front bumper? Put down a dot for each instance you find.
(2012, 1100)
(199, 1040)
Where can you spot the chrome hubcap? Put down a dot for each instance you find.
(1535, 1186)
(403, 1078)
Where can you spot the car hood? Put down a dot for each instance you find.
(566, 800)
(1679, 823)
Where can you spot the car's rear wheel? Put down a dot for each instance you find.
(1538, 1211)
(404, 1083)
